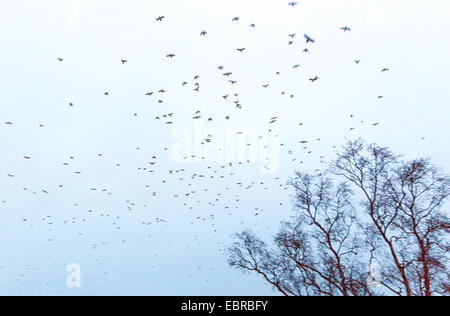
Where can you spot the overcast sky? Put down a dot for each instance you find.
(162, 228)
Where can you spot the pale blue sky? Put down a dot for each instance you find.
(179, 258)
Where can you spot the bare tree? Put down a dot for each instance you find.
(370, 208)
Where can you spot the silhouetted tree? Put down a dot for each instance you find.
(370, 209)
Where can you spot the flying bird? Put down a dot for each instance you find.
(309, 39)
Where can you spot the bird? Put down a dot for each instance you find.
(160, 18)
(170, 55)
(203, 33)
(309, 39)
(314, 79)
(241, 50)
(236, 19)
(124, 61)
(60, 60)
(346, 29)
(293, 4)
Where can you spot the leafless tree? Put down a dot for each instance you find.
(370, 209)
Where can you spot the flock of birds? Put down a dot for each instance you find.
(198, 180)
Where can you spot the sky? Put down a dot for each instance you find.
(165, 206)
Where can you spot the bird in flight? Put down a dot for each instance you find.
(60, 60)
(170, 56)
(236, 19)
(314, 79)
(357, 61)
(292, 4)
(124, 61)
(9, 123)
(346, 29)
(204, 33)
(160, 18)
(309, 39)
(241, 50)
(385, 70)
